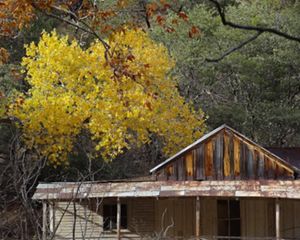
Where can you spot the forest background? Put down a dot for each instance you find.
(234, 62)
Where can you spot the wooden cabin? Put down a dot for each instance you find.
(223, 186)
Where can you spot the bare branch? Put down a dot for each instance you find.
(233, 49)
(221, 12)
(86, 29)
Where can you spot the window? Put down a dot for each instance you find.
(110, 216)
(229, 220)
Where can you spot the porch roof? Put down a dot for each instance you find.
(251, 188)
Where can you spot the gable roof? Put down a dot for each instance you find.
(211, 134)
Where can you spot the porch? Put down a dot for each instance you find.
(172, 210)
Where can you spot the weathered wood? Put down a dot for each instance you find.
(226, 156)
(194, 164)
(44, 227)
(236, 153)
(198, 217)
(218, 157)
(188, 160)
(231, 155)
(118, 219)
(261, 165)
(52, 217)
(209, 159)
(271, 173)
(200, 162)
(255, 163)
(175, 170)
(250, 166)
(181, 171)
(243, 161)
(277, 218)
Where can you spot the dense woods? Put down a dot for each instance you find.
(94, 90)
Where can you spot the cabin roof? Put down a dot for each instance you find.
(288, 154)
(236, 188)
(214, 132)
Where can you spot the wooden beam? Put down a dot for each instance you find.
(277, 218)
(198, 218)
(51, 207)
(44, 230)
(118, 219)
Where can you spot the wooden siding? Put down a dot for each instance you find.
(290, 218)
(258, 217)
(87, 220)
(150, 217)
(228, 156)
(175, 217)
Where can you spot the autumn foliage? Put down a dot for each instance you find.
(120, 97)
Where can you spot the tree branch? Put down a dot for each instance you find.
(88, 29)
(221, 12)
(233, 49)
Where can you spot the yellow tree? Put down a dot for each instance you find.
(119, 97)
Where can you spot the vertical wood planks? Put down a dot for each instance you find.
(200, 163)
(218, 157)
(236, 153)
(255, 162)
(243, 161)
(261, 165)
(266, 166)
(231, 153)
(226, 156)
(209, 159)
(181, 170)
(250, 161)
(189, 165)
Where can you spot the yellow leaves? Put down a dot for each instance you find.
(118, 100)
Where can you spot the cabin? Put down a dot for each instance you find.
(223, 186)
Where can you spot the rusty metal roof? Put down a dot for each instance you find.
(251, 188)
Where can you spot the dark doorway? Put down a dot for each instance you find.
(229, 218)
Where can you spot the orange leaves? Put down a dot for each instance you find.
(4, 56)
(183, 16)
(194, 32)
(16, 14)
(160, 20)
(151, 8)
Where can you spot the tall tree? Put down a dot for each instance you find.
(120, 97)
(254, 89)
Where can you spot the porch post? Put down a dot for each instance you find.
(277, 218)
(198, 217)
(118, 219)
(51, 208)
(44, 230)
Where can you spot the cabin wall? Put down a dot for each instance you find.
(175, 217)
(151, 217)
(290, 218)
(89, 219)
(86, 218)
(225, 156)
(257, 217)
